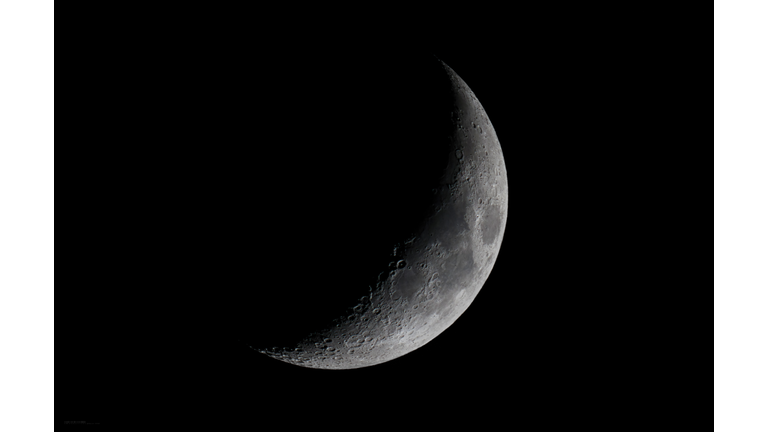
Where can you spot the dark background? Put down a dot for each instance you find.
(146, 339)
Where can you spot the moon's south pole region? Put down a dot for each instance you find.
(398, 227)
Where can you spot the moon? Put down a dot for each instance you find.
(432, 271)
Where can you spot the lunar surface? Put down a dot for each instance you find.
(430, 273)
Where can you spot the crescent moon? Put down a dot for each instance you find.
(440, 270)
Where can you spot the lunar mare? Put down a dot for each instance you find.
(434, 275)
